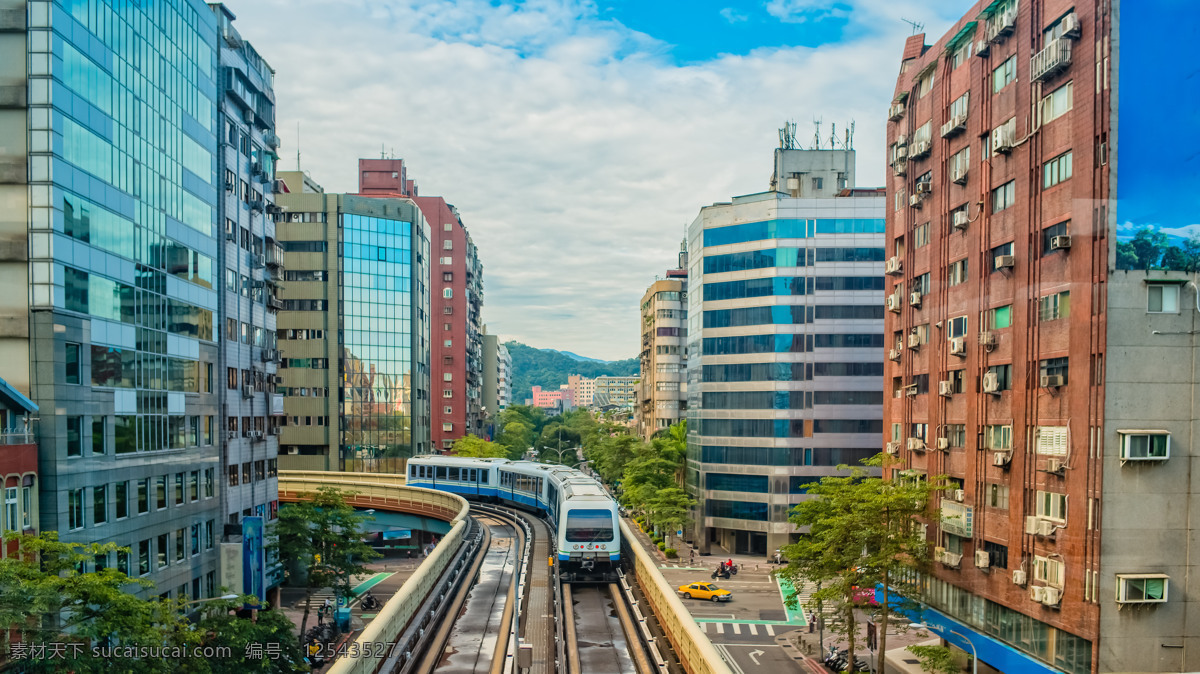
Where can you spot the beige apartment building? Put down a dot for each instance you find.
(662, 392)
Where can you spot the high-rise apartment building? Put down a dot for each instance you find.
(249, 269)
(353, 331)
(109, 184)
(584, 388)
(615, 392)
(504, 379)
(785, 329)
(456, 284)
(1042, 340)
(662, 390)
(497, 375)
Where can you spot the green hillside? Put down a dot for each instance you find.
(550, 369)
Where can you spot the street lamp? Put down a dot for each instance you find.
(941, 631)
(201, 601)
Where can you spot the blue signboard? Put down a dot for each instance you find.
(397, 534)
(1157, 167)
(253, 560)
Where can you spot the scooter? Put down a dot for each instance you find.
(369, 601)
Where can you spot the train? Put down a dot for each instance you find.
(583, 518)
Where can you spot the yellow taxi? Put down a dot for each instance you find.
(705, 591)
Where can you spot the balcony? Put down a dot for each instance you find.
(1049, 61)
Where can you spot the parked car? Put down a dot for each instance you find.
(705, 591)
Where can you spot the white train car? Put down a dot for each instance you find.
(581, 514)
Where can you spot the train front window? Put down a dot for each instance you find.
(585, 526)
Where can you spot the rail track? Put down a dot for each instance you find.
(606, 632)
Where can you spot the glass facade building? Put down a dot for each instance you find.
(785, 345)
(116, 339)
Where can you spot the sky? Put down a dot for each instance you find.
(578, 138)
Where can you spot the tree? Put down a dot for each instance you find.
(609, 455)
(323, 533)
(862, 531)
(936, 659)
(669, 509)
(476, 447)
(244, 638)
(46, 597)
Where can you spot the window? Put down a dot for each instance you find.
(209, 482)
(996, 436)
(99, 503)
(1004, 74)
(956, 327)
(446, 428)
(962, 53)
(957, 273)
(10, 509)
(1057, 103)
(1052, 367)
(208, 537)
(1054, 307)
(920, 284)
(72, 359)
(75, 509)
(180, 545)
(447, 310)
(143, 496)
(996, 495)
(194, 486)
(925, 81)
(1000, 317)
(162, 550)
(448, 244)
(1056, 170)
(447, 276)
(447, 393)
(160, 492)
(956, 434)
(924, 133)
(997, 554)
(960, 163)
(178, 488)
(447, 260)
(98, 435)
(1161, 299)
(74, 442)
(447, 376)
(959, 107)
(1049, 571)
(448, 410)
(144, 557)
(1002, 249)
(121, 498)
(1145, 445)
(446, 227)
(1052, 505)
(1003, 376)
(447, 293)
(921, 235)
(1141, 588)
(1048, 235)
(1004, 196)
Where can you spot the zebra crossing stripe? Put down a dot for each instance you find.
(737, 629)
(704, 627)
(753, 629)
(770, 630)
(720, 628)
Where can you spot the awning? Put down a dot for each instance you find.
(14, 399)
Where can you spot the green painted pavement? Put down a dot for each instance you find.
(749, 622)
(370, 583)
(795, 616)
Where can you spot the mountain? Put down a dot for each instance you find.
(549, 368)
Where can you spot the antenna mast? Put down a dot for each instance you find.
(297, 146)
(917, 27)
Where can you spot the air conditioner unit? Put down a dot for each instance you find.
(1052, 596)
(247, 391)
(1054, 466)
(958, 346)
(961, 220)
(901, 151)
(959, 495)
(921, 148)
(231, 435)
(914, 339)
(1046, 528)
(925, 187)
(951, 559)
(231, 236)
(1031, 524)
(793, 184)
(895, 112)
(982, 47)
(1070, 25)
(914, 299)
(910, 390)
(959, 175)
(1062, 242)
(893, 265)
(1002, 141)
(987, 338)
(1037, 593)
(900, 166)
(256, 205)
(893, 447)
(914, 200)
(902, 140)
(991, 382)
(1051, 380)
(893, 354)
(893, 303)
(268, 355)
(954, 125)
(945, 388)
(275, 430)
(1005, 261)
(1001, 459)
(1019, 577)
(916, 444)
(943, 444)
(983, 559)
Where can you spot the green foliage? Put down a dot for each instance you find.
(550, 369)
(475, 447)
(324, 534)
(661, 545)
(671, 553)
(936, 659)
(221, 627)
(1151, 249)
(863, 531)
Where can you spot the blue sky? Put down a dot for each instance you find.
(577, 137)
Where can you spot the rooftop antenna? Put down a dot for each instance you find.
(787, 136)
(917, 27)
(832, 135)
(297, 146)
(382, 151)
(850, 136)
(817, 134)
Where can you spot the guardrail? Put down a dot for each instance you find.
(695, 651)
(386, 492)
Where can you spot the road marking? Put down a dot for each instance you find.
(770, 631)
(737, 629)
(785, 589)
(754, 656)
(720, 628)
(704, 627)
(754, 629)
(728, 658)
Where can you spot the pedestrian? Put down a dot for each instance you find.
(778, 556)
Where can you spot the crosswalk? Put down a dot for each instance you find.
(734, 628)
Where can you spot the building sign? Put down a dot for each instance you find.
(1157, 203)
(957, 518)
(397, 534)
(253, 559)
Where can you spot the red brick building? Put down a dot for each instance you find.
(18, 465)
(456, 303)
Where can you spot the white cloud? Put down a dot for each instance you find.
(732, 15)
(799, 11)
(575, 152)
